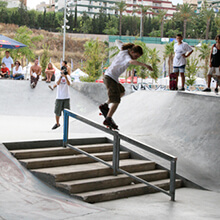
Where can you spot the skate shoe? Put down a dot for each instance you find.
(104, 109)
(110, 123)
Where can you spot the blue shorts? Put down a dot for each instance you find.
(179, 69)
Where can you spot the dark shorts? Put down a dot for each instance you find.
(179, 69)
(114, 88)
(60, 105)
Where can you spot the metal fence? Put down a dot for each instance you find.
(117, 137)
(157, 40)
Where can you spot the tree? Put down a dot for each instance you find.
(95, 55)
(208, 13)
(143, 10)
(191, 71)
(111, 26)
(161, 14)
(204, 55)
(23, 35)
(3, 4)
(45, 58)
(154, 61)
(169, 53)
(185, 12)
(142, 72)
(217, 22)
(121, 7)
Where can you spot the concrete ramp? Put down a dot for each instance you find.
(184, 124)
(21, 192)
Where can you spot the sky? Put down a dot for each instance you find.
(32, 4)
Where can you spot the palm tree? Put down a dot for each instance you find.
(143, 10)
(169, 52)
(207, 12)
(204, 55)
(185, 12)
(217, 22)
(121, 7)
(161, 14)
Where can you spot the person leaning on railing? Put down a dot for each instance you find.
(17, 71)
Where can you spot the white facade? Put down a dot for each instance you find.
(94, 6)
(12, 3)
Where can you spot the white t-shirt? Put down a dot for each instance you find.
(8, 61)
(63, 88)
(179, 50)
(119, 65)
(17, 71)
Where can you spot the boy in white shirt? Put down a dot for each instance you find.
(129, 53)
(63, 98)
(179, 62)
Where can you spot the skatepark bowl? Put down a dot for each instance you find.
(183, 124)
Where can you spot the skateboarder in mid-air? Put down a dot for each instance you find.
(129, 53)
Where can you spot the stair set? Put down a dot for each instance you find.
(84, 178)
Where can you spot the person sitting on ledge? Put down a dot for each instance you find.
(4, 71)
(17, 71)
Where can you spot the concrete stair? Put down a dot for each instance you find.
(88, 180)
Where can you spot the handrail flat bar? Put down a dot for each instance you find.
(143, 181)
(89, 122)
(147, 148)
(89, 155)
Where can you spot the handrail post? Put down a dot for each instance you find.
(65, 128)
(172, 178)
(116, 152)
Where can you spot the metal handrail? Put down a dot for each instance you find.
(116, 151)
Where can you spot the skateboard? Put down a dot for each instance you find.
(173, 84)
(104, 112)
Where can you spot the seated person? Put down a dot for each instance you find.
(4, 71)
(50, 71)
(17, 71)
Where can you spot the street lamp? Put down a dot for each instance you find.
(64, 30)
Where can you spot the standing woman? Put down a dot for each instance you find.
(17, 71)
(49, 72)
(129, 53)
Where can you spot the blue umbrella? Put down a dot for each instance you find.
(6, 42)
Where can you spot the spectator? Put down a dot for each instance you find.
(4, 71)
(214, 64)
(50, 71)
(64, 66)
(63, 82)
(8, 61)
(35, 73)
(17, 71)
(179, 61)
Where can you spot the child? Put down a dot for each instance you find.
(4, 71)
(214, 64)
(128, 55)
(179, 62)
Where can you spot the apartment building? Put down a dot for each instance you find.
(92, 7)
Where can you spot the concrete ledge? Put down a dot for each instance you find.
(97, 91)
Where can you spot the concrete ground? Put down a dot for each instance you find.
(27, 114)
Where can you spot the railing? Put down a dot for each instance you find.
(116, 151)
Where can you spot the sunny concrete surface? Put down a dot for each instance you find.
(185, 125)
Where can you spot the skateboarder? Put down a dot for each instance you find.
(179, 61)
(214, 64)
(129, 53)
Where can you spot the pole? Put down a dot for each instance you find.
(64, 31)
(141, 23)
